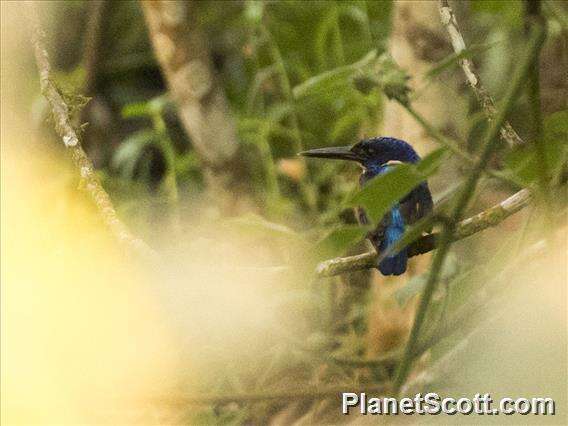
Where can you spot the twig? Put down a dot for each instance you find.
(65, 130)
(448, 18)
(445, 240)
(481, 221)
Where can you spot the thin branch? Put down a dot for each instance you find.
(66, 131)
(490, 145)
(448, 18)
(493, 216)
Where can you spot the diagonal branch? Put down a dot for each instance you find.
(448, 18)
(493, 216)
(65, 129)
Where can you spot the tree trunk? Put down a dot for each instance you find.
(182, 53)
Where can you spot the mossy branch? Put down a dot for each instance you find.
(63, 125)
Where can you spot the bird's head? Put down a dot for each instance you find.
(369, 152)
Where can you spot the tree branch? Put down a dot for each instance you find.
(448, 18)
(65, 129)
(493, 216)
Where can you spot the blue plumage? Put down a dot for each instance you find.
(378, 156)
(396, 264)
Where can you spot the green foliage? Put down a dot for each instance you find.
(303, 75)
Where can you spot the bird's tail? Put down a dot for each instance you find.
(395, 264)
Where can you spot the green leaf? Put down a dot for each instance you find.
(384, 191)
(335, 76)
(339, 240)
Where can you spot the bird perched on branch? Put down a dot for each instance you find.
(378, 156)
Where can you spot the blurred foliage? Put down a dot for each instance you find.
(299, 75)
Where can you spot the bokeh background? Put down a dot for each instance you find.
(234, 312)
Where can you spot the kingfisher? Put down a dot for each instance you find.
(377, 156)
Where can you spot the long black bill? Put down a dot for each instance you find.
(335, 153)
